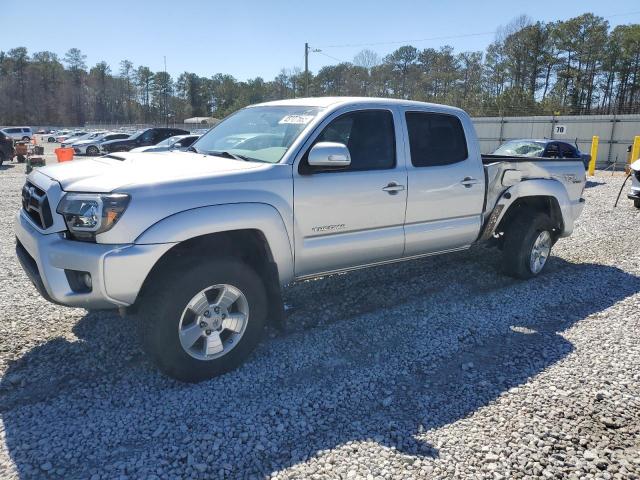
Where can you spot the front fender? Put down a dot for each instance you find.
(223, 218)
(535, 188)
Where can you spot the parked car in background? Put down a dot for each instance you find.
(171, 143)
(7, 151)
(92, 146)
(70, 136)
(142, 138)
(18, 133)
(546, 148)
(635, 183)
(87, 136)
(52, 137)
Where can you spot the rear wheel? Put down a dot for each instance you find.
(26, 139)
(92, 150)
(636, 203)
(204, 321)
(51, 140)
(527, 245)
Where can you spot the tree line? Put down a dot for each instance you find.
(577, 66)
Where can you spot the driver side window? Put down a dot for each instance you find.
(368, 134)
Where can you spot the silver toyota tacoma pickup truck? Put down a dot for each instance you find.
(200, 243)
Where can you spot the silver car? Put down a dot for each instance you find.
(91, 146)
(18, 133)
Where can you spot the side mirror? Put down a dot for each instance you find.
(329, 154)
(176, 145)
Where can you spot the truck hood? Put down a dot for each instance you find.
(111, 172)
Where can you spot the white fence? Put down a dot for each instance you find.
(616, 132)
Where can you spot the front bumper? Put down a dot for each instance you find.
(117, 271)
(635, 186)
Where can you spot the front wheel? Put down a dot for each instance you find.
(92, 150)
(204, 321)
(527, 245)
(636, 203)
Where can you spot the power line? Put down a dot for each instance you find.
(448, 37)
(621, 14)
(329, 56)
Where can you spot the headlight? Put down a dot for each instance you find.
(88, 214)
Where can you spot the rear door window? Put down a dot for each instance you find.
(435, 139)
(552, 150)
(567, 151)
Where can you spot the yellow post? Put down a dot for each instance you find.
(594, 155)
(635, 150)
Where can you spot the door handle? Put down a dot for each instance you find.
(393, 188)
(468, 182)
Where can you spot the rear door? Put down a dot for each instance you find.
(353, 216)
(446, 183)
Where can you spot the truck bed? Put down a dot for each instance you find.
(570, 172)
(491, 158)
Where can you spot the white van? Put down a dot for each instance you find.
(18, 133)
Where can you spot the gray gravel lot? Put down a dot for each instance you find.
(437, 368)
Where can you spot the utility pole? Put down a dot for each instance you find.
(166, 85)
(307, 49)
(306, 69)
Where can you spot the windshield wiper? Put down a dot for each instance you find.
(232, 155)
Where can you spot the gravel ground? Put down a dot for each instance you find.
(436, 368)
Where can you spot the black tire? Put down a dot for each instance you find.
(21, 158)
(51, 140)
(26, 139)
(92, 150)
(636, 203)
(162, 308)
(2, 158)
(519, 240)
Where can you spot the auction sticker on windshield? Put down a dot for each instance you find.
(296, 119)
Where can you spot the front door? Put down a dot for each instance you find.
(353, 216)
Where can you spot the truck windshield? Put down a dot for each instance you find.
(521, 148)
(261, 134)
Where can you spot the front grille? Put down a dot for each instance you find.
(36, 205)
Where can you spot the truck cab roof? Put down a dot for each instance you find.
(324, 102)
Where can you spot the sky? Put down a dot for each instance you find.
(250, 38)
